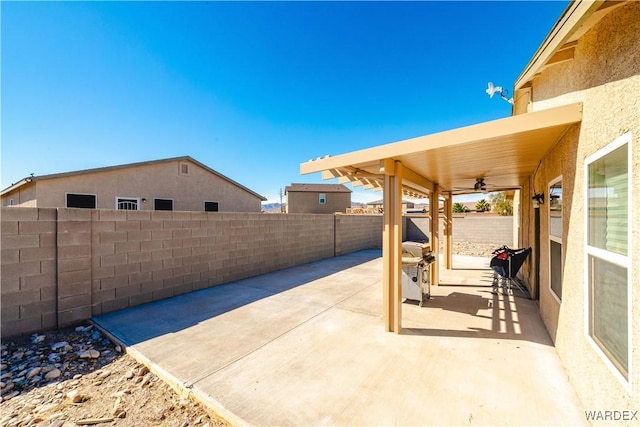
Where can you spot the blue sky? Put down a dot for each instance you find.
(251, 89)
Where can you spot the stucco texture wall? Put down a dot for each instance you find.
(605, 76)
(308, 202)
(24, 196)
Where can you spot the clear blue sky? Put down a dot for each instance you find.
(250, 89)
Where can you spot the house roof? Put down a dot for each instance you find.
(504, 152)
(560, 43)
(317, 188)
(30, 179)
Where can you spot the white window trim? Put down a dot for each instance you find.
(620, 260)
(79, 194)
(556, 239)
(137, 199)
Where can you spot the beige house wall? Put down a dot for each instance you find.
(62, 266)
(24, 196)
(147, 181)
(605, 76)
(308, 202)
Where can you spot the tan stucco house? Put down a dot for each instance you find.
(571, 154)
(179, 183)
(317, 198)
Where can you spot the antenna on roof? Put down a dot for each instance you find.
(491, 90)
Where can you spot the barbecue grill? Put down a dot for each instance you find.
(416, 271)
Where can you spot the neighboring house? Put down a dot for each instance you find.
(571, 150)
(179, 183)
(317, 198)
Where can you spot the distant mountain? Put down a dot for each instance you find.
(273, 207)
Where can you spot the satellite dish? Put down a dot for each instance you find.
(491, 89)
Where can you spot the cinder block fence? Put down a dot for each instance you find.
(62, 266)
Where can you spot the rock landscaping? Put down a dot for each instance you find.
(77, 376)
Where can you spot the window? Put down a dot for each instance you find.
(127, 203)
(211, 206)
(322, 198)
(85, 201)
(163, 204)
(555, 238)
(607, 256)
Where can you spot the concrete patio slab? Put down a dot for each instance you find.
(307, 346)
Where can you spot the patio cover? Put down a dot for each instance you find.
(504, 152)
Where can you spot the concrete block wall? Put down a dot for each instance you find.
(479, 228)
(74, 272)
(474, 228)
(28, 270)
(143, 256)
(416, 228)
(354, 232)
(61, 266)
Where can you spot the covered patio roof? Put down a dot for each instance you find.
(504, 152)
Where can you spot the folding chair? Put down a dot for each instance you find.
(506, 264)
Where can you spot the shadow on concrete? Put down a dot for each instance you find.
(141, 323)
(512, 317)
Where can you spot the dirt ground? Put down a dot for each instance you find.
(77, 376)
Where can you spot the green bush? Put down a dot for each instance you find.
(459, 208)
(501, 205)
(482, 206)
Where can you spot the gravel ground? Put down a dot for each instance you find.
(76, 376)
(474, 249)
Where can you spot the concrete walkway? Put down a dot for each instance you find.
(306, 346)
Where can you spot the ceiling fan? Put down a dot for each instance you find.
(478, 186)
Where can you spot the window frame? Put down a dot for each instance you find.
(612, 258)
(137, 199)
(181, 169)
(211, 201)
(322, 198)
(166, 199)
(556, 239)
(66, 201)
